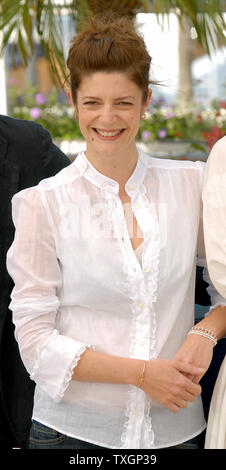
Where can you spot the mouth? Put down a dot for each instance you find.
(110, 134)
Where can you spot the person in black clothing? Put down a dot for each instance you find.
(27, 155)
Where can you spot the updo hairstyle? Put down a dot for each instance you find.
(109, 44)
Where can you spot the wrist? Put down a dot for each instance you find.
(204, 333)
(142, 375)
(137, 372)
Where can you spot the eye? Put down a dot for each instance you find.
(125, 103)
(91, 103)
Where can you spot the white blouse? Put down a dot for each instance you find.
(79, 284)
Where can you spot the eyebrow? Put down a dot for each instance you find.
(98, 97)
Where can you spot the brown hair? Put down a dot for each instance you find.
(109, 43)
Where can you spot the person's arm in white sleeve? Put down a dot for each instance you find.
(197, 349)
(214, 215)
(32, 263)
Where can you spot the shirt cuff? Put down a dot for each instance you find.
(55, 363)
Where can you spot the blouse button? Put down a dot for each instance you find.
(143, 306)
(146, 269)
(81, 166)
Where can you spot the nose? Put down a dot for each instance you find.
(108, 115)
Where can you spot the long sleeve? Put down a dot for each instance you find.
(32, 263)
(215, 296)
(214, 215)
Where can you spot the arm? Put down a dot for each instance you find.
(164, 381)
(214, 215)
(32, 263)
(198, 350)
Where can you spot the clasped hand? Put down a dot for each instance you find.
(168, 383)
(174, 383)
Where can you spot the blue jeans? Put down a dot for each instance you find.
(43, 437)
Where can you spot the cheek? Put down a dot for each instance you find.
(83, 120)
(134, 121)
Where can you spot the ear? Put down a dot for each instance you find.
(69, 95)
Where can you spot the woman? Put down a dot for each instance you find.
(104, 263)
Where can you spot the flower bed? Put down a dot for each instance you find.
(201, 127)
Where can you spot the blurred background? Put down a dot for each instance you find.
(187, 42)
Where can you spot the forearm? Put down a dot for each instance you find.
(162, 380)
(95, 366)
(215, 321)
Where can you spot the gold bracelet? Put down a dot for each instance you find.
(142, 375)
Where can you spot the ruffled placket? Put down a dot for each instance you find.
(141, 286)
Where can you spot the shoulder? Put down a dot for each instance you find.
(214, 182)
(220, 145)
(217, 155)
(12, 128)
(64, 177)
(171, 165)
(31, 147)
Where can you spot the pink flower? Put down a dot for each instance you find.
(162, 133)
(35, 113)
(146, 135)
(169, 115)
(40, 98)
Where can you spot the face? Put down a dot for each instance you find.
(109, 108)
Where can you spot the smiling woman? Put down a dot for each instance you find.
(103, 263)
(109, 118)
(109, 89)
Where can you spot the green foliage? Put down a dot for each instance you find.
(57, 118)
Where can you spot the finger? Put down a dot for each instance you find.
(189, 396)
(190, 369)
(193, 388)
(173, 407)
(197, 379)
(182, 403)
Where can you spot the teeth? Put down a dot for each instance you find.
(108, 134)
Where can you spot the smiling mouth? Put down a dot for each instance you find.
(111, 133)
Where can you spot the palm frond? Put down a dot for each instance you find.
(206, 16)
(20, 19)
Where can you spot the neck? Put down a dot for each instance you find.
(118, 167)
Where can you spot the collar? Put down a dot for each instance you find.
(107, 184)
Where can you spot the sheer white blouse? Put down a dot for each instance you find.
(79, 284)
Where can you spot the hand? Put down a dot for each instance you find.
(198, 351)
(165, 381)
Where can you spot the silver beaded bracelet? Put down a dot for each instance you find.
(197, 330)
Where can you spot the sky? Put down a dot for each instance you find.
(162, 44)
